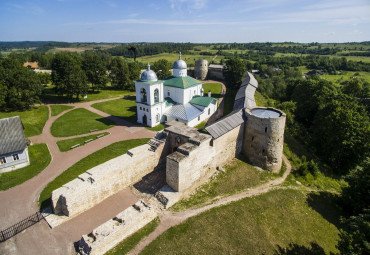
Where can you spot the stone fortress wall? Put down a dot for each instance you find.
(201, 69)
(189, 157)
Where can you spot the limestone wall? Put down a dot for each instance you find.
(112, 232)
(102, 181)
(198, 159)
(201, 69)
(264, 139)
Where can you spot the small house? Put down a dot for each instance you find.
(13, 145)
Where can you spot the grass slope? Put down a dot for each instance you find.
(129, 243)
(33, 120)
(215, 88)
(77, 122)
(238, 176)
(264, 224)
(65, 145)
(57, 109)
(39, 159)
(99, 157)
(124, 108)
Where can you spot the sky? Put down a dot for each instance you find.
(197, 21)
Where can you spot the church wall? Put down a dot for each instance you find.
(102, 181)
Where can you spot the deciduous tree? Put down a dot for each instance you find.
(162, 68)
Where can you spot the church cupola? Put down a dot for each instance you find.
(148, 75)
(180, 68)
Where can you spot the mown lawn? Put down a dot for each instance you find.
(39, 159)
(302, 222)
(215, 88)
(99, 157)
(57, 109)
(65, 145)
(238, 176)
(79, 121)
(129, 243)
(33, 120)
(124, 108)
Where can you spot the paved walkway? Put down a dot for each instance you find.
(21, 201)
(169, 219)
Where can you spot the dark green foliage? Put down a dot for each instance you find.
(162, 69)
(341, 132)
(20, 87)
(95, 70)
(234, 73)
(45, 78)
(67, 75)
(134, 70)
(355, 235)
(119, 74)
(308, 167)
(356, 196)
(310, 95)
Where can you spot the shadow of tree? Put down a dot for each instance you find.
(296, 249)
(326, 204)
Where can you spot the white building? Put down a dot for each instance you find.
(178, 97)
(13, 146)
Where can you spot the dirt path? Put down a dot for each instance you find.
(21, 201)
(169, 219)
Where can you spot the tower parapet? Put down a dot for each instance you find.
(264, 137)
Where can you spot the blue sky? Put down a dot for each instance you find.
(185, 20)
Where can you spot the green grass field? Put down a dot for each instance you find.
(99, 157)
(129, 243)
(172, 57)
(40, 158)
(124, 108)
(65, 145)
(238, 176)
(215, 88)
(49, 95)
(33, 120)
(57, 109)
(77, 122)
(302, 222)
(345, 76)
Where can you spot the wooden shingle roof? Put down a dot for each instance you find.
(12, 137)
(226, 124)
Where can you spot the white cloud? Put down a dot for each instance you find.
(190, 4)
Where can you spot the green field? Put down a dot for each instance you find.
(215, 88)
(65, 145)
(79, 121)
(172, 57)
(33, 120)
(40, 158)
(124, 108)
(57, 109)
(99, 157)
(345, 76)
(302, 222)
(238, 176)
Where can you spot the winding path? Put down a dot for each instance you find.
(21, 201)
(169, 219)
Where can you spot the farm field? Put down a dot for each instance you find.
(33, 120)
(172, 57)
(345, 76)
(77, 122)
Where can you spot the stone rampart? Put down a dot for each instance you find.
(102, 181)
(112, 232)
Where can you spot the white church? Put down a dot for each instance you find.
(178, 97)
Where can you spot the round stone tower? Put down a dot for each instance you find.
(201, 69)
(264, 137)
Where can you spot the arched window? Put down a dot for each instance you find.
(143, 95)
(156, 96)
